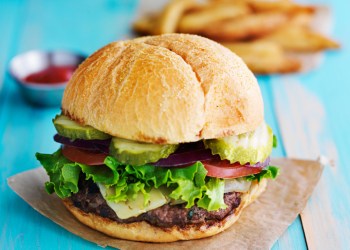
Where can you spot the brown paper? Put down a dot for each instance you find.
(259, 227)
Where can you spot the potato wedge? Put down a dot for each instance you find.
(145, 25)
(171, 14)
(265, 33)
(283, 6)
(249, 26)
(301, 19)
(264, 57)
(196, 21)
(300, 39)
(228, 1)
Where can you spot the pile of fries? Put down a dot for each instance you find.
(264, 33)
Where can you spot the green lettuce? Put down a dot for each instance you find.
(125, 182)
(275, 141)
(270, 172)
(188, 184)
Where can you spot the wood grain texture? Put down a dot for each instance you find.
(24, 130)
(293, 238)
(302, 120)
(313, 112)
(85, 26)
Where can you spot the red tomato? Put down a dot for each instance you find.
(83, 156)
(224, 169)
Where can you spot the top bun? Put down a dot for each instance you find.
(169, 89)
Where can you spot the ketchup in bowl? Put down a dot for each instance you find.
(52, 74)
(42, 76)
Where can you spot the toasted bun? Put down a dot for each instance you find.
(142, 231)
(165, 89)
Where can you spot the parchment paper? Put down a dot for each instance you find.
(259, 227)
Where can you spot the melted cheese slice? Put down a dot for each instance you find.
(127, 209)
(237, 185)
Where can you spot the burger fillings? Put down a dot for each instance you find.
(119, 180)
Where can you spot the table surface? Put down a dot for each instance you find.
(309, 112)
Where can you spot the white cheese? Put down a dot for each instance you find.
(237, 185)
(127, 209)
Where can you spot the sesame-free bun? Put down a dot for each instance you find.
(142, 231)
(171, 88)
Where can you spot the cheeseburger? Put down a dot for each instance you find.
(162, 139)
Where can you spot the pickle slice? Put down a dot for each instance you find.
(68, 128)
(138, 153)
(251, 147)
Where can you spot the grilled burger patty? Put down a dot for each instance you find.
(90, 200)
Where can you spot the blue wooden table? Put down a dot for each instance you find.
(310, 113)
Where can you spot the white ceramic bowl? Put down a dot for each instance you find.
(42, 94)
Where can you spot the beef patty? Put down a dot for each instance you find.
(90, 200)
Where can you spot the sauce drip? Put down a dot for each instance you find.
(52, 74)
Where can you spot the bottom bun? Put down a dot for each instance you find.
(142, 231)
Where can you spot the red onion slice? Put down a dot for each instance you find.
(263, 164)
(186, 155)
(100, 145)
(185, 158)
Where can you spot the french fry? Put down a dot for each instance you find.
(170, 16)
(262, 32)
(303, 19)
(282, 6)
(300, 39)
(264, 57)
(196, 21)
(229, 1)
(146, 24)
(249, 26)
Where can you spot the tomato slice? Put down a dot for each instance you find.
(216, 168)
(224, 169)
(83, 156)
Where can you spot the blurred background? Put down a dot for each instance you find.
(298, 50)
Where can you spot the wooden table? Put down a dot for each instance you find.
(310, 113)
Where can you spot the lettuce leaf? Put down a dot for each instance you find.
(63, 174)
(188, 184)
(271, 172)
(275, 141)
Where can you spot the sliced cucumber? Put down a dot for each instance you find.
(138, 153)
(68, 128)
(251, 147)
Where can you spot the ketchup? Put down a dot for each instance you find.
(52, 74)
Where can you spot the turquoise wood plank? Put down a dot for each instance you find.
(9, 24)
(24, 129)
(74, 25)
(85, 27)
(332, 85)
(304, 129)
(293, 238)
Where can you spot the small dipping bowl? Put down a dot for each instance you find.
(42, 76)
